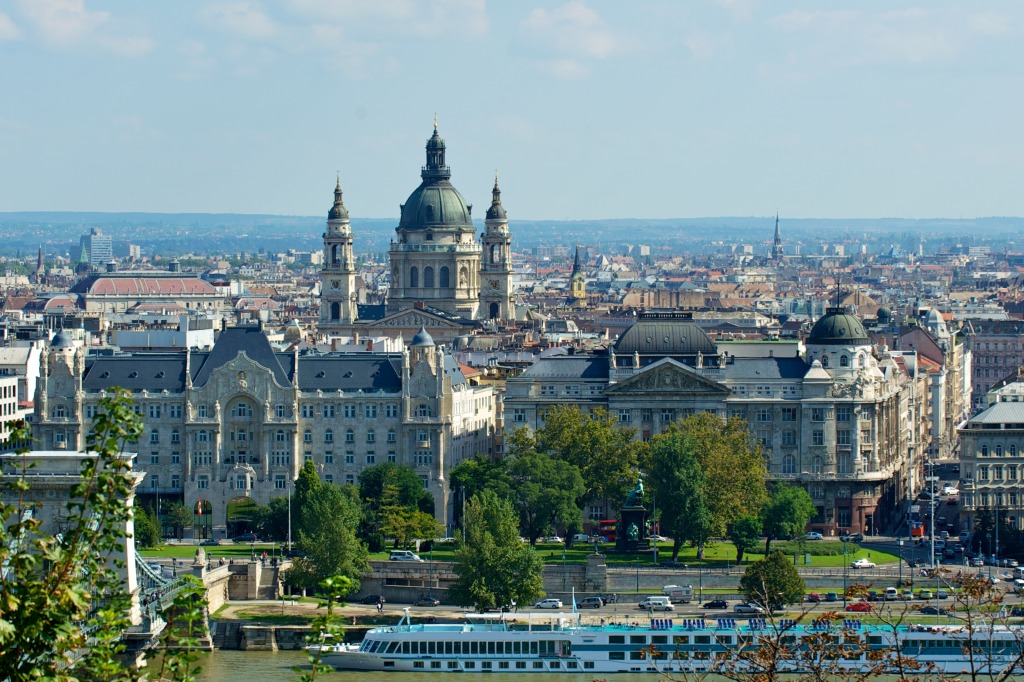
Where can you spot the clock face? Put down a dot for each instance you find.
(494, 284)
(336, 284)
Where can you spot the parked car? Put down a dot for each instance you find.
(370, 599)
(831, 596)
(548, 604)
(657, 538)
(862, 563)
(716, 604)
(813, 536)
(591, 603)
(554, 539)
(977, 561)
(941, 594)
(656, 603)
(874, 595)
(1017, 611)
(746, 608)
(427, 601)
(814, 597)
(1010, 563)
(925, 594)
(934, 611)
(245, 537)
(859, 607)
(581, 537)
(853, 537)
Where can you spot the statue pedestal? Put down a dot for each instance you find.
(631, 517)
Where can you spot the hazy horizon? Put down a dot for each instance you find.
(587, 108)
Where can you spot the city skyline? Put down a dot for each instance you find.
(588, 110)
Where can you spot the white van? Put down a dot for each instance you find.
(678, 593)
(891, 594)
(657, 603)
(403, 555)
(1018, 572)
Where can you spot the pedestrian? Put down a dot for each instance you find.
(380, 604)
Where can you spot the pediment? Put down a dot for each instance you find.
(671, 378)
(413, 318)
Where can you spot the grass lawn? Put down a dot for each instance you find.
(719, 555)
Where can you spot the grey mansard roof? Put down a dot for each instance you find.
(665, 337)
(999, 413)
(249, 340)
(136, 372)
(568, 367)
(754, 369)
(350, 372)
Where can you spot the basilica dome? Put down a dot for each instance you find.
(435, 204)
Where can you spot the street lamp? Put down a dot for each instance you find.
(900, 542)
(638, 572)
(846, 568)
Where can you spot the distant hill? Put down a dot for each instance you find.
(172, 234)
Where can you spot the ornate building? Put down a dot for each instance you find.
(832, 419)
(442, 278)
(232, 426)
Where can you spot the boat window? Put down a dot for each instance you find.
(417, 664)
(533, 648)
(405, 647)
(517, 648)
(724, 639)
(638, 639)
(556, 664)
(616, 655)
(702, 639)
(617, 639)
(473, 647)
(470, 664)
(636, 655)
(538, 664)
(490, 647)
(458, 647)
(486, 665)
(448, 647)
(659, 639)
(431, 648)
(520, 665)
(503, 664)
(682, 639)
(435, 664)
(453, 664)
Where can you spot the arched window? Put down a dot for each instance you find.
(334, 254)
(428, 277)
(789, 464)
(818, 465)
(984, 451)
(999, 451)
(329, 436)
(444, 280)
(494, 253)
(414, 277)
(1013, 451)
(335, 311)
(350, 436)
(844, 361)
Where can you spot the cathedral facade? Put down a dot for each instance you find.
(441, 276)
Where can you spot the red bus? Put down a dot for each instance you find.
(607, 529)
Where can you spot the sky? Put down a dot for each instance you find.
(586, 109)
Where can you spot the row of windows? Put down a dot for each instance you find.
(997, 451)
(245, 410)
(998, 473)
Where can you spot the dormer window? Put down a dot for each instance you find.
(844, 361)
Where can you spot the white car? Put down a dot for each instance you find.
(950, 490)
(862, 563)
(548, 604)
(813, 536)
(657, 538)
(553, 539)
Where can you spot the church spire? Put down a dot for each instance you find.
(338, 210)
(777, 241)
(435, 168)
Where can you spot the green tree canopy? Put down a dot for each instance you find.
(410, 486)
(679, 486)
(773, 582)
(544, 491)
(786, 514)
(744, 533)
(147, 528)
(327, 537)
(493, 567)
(270, 521)
(403, 523)
(179, 517)
(606, 453)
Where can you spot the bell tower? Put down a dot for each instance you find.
(338, 275)
(497, 299)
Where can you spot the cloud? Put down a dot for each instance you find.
(741, 10)
(450, 18)
(8, 29)
(197, 61)
(574, 33)
(68, 24)
(241, 18)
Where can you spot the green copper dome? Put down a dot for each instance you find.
(837, 327)
(435, 203)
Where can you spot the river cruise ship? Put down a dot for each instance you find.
(563, 642)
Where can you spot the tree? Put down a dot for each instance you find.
(306, 486)
(327, 537)
(64, 598)
(403, 523)
(479, 473)
(773, 582)
(543, 489)
(178, 517)
(492, 566)
(270, 521)
(679, 483)
(786, 514)
(606, 454)
(147, 528)
(410, 486)
(733, 467)
(744, 533)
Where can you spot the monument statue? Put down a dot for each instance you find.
(636, 495)
(633, 533)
